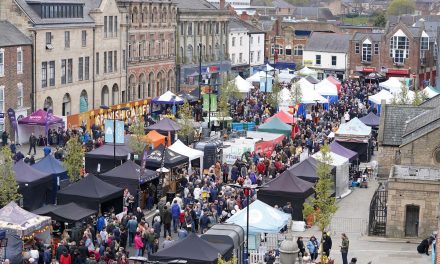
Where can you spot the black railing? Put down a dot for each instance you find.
(378, 213)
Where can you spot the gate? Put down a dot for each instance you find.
(378, 213)
(340, 225)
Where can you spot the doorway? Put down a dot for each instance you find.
(412, 221)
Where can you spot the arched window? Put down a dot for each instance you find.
(115, 94)
(48, 103)
(170, 80)
(150, 88)
(66, 105)
(298, 50)
(217, 51)
(83, 102)
(131, 87)
(105, 96)
(134, 15)
(164, 15)
(141, 86)
(159, 85)
(277, 48)
(190, 29)
(189, 53)
(154, 15)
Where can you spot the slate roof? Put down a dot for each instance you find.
(195, 5)
(318, 13)
(372, 36)
(432, 102)
(282, 4)
(30, 9)
(328, 42)
(11, 36)
(421, 125)
(393, 122)
(236, 23)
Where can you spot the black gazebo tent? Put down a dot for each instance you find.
(371, 120)
(194, 250)
(287, 188)
(92, 193)
(127, 176)
(34, 185)
(305, 170)
(70, 212)
(171, 159)
(104, 156)
(54, 167)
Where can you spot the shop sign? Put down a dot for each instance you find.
(308, 62)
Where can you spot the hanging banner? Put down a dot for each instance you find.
(206, 98)
(12, 119)
(49, 116)
(109, 130)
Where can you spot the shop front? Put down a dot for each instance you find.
(402, 73)
(137, 109)
(211, 73)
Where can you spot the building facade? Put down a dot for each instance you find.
(15, 74)
(402, 51)
(151, 48)
(246, 46)
(327, 53)
(202, 28)
(78, 55)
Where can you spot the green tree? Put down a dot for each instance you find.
(380, 20)
(8, 184)
(273, 97)
(402, 97)
(296, 93)
(299, 2)
(74, 160)
(401, 7)
(323, 206)
(227, 91)
(136, 141)
(419, 97)
(186, 121)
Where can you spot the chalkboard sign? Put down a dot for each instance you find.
(210, 155)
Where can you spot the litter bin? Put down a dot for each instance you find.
(170, 196)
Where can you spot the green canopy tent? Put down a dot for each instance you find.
(275, 125)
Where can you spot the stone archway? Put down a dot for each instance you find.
(66, 107)
(131, 88)
(141, 86)
(115, 94)
(105, 98)
(83, 102)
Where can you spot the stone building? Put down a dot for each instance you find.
(412, 203)
(151, 47)
(401, 51)
(78, 55)
(15, 74)
(201, 28)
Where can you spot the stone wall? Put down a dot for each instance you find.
(422, 193)
(386, 157)
(420, 152)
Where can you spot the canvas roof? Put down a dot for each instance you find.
(171, 159)
(393, 85)
(155, 137)
(26, 174)
(265, 136)
(20, 221)
(382, 95)
(193, 249)
(106, 152)
(430, 91)
(70, 212)
(307, 71)
(275, 126)
(39, 118)
(283, 116)
(305, 170)
(49, 164)
(337, 148)
(326, 87)
(183, 149)
(263, 218)
(354, 127)
(336, 159)
(371, 119)
(259, 76)
(168, 98)
(165, 125)
(309, 95)
(242, 85)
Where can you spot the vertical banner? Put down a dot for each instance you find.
(213, 102)
(206, 102)
(13, 120)
(49, 116)
(109, 130)
(206, 99)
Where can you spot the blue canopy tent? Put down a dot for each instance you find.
(263, 218)
(55, 168)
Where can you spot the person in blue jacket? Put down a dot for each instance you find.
(175, 213)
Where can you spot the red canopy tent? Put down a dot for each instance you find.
(283, 116)
(335, 82)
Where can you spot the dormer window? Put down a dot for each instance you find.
(399, 47)
(62, 11)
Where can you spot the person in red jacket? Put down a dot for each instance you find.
(65, 258)
(181, 218)
(261, 168)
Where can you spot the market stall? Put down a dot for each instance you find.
(21, 228)
(242, 85)
(306, 71)
(191, 153)
(194, 250)
(66, 213)
(337, 148)
(275, 125)
(285, 76)
(371, 120)
(383, 95)
(328, 90)
(342, 172)
(100, 160)
(35, 186)
(393, 85)
(355, 136)
(262, 78)
(168, 98)
(335, 82)
(283, 116)
(154, 138)
(234, 149)
(93, 193)
(166, 127)
(55, 168)
(38, 122)
(305, 170)
(430, 91)
(287, 188)
(285, 100)
(267, 142)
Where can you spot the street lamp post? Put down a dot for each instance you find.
(200, 71)
(114, 128)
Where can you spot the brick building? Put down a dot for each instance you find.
(15, 74)
(402, 51)
(151, 47)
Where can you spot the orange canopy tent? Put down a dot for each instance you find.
(283, 116)
(153, 137)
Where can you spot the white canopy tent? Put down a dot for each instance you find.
(191, 153)
(430, 91)
(325, 87)
(242, 85)
(265, 136)
(342, 171)
(168, 98)
(285, 99)
(310, 96)
(306, 71)
(382, 95)
(393, 85)
(259, 76)
(285, 77)
(234, 149)
(267, 67)
(306, 84)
